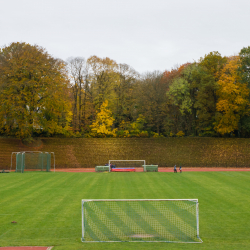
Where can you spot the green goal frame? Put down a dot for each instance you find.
(41, 160)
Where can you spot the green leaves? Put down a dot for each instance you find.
(33, 91)
(179, 94)
(244, 69)
(39, 96)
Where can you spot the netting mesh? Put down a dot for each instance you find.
(33, 161)
(140, 220)
(19, 162)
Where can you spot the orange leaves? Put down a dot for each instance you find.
(233, 98)
(170, 75)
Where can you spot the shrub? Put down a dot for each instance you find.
(180, 134)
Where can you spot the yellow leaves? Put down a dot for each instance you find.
(101, 64)
(102, 126)
(233, 98)
(34, 91)
(180, 134)
(138, 124)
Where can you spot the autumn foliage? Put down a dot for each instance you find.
(102, 125)
(232, 98)
(34, 91)
(98, 97)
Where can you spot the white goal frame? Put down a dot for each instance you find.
(195, 201)
(144, 162)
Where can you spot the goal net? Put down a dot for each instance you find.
(33, 161)
(151, 220)
(126, 164)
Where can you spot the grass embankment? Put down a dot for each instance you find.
(47, 206)
(166, 152)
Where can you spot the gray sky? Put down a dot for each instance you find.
(148, 35)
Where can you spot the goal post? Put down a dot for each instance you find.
(140, 220)
(33, 160)
(127, 163)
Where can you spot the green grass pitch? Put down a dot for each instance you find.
(47, 206)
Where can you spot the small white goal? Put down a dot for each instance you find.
(126, 164)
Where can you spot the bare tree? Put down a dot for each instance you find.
(78, 73)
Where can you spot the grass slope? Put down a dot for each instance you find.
(47, 206)
(91, 152)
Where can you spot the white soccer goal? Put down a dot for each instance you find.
(141, 220)
(127, 163)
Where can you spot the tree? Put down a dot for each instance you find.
(206, 81)
(103, 78)
(180, 100)
(102, 126)
(244, 69)
(123, 92)
(34, 92)
(232, 98)
(151, 100)
(179, 94)
(113, 82)
(82, 96)
(244, 73)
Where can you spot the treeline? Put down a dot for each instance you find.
(98, 97)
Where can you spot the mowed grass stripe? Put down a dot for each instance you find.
(173, 218)
(41, 188)
(38, 207)
(38, 189)
(97, 228)
(25, 185)
(153, 225)
(130, 226)
(219, 196)
(143, 226)
(107, 226)
(55, 199)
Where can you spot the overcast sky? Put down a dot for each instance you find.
(148, 35)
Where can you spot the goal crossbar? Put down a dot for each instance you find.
(86, 200)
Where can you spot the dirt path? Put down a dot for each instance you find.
(25, 248)
(75, 170)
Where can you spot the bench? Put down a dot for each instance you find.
(4, 171)
(101, 168)
(150, 168)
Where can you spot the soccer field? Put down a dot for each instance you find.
(47, 206)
